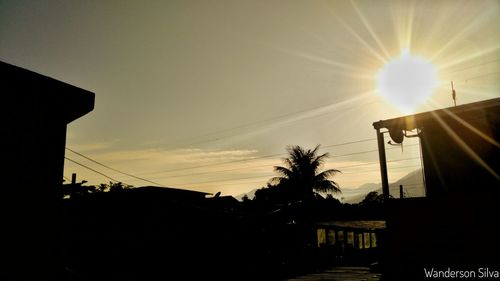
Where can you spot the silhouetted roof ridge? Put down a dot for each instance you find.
(54, 80)
(60, 98)
(409, 122)
(152, 187)
(358, 224)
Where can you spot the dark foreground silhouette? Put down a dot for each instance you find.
(152, 234)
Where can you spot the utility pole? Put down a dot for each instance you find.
(453, 94)
(383, 163)
(73, 178)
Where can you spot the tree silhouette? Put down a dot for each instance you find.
(112, 187)
(374, 199)
(300, 175)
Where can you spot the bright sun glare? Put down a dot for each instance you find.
(407, 81)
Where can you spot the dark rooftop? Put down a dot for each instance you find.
(25, 91)
(369, 225)
(411, 122)
(167, 190)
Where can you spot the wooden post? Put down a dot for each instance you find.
(401, 194)
(383, 163)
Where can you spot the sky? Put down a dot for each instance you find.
(207, 95)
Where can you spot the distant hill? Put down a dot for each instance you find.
(250, 194)
(412, 183)
(412, 186)
(356, 195)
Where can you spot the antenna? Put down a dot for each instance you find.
(453, 94)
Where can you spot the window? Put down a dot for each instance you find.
(321, 235)
(340, 237)
(350, 238)
(374, 239)
(367, 239)
(331, 237)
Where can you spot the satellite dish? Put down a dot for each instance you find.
(396, 134)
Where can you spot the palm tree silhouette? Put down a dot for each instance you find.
(300, 174)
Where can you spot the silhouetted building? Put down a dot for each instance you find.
(351, 241)
(460, 145)
(455, 225)
(168, 193)
(226, 204)
(36, 110)
(151, 233)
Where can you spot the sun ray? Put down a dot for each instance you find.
(409, 25)
(485, 51)
(478, 93)
(433, 34)
(338, 107)
(351, 74)
(370, 29)
(361, 40)
(467, 149)
(467, 125)
(322, 60)
(476, 65)
(471, 27)
(404, 27)
(316, 37)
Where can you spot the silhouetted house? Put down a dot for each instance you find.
(460, 148)
(455, 225)
(168, 194)
(152, 232)
(36, 110)
(352, 241)
(224, 204)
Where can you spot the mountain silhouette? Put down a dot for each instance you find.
(412, 183)
(412, 186)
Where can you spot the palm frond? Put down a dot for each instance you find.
(328, 173)
(288, 163)
(327, 186)
(283, 171)
(278, 180)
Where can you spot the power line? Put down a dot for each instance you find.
(479, 76)
(113, 169)
(270, 175)
(349, 166)
(259, 157)
(227, 162)
(251, 177)
(374, 170)
(476, 65)
(377, 162)
(266, 121)
(87, 167)
(413, 184)
(260, 166)
(216, 164)
(362, 172)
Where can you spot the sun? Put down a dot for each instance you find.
(407, 81)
